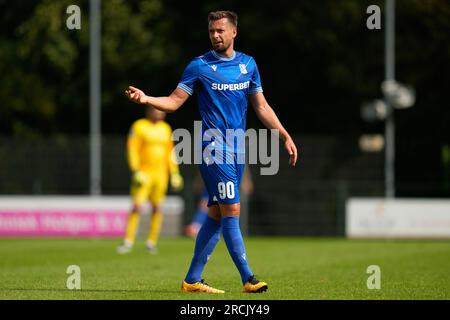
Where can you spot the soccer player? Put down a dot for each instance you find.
(150, 160)
(224, 80)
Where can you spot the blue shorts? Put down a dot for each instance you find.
(222, 181)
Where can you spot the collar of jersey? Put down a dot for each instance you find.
(215, 54)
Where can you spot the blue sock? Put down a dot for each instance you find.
(200, 216)
(235, 244)
(206, 241)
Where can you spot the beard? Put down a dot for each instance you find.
(222, 48)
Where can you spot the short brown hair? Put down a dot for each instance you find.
(217, 15)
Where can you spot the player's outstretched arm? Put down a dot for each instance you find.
(268, 117)
(166, 104)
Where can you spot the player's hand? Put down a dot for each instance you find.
(136, 95)
(292, 150)
(140, 178)
(176, 181)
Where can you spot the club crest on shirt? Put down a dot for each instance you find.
(214, 67)
(243, 68)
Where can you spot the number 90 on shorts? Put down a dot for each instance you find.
(226, 190)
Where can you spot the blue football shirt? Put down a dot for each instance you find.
(222, 85)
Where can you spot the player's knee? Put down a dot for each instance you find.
(156, 209)
(230, 210)
(214, 213)
(136, 208)
(215, 216)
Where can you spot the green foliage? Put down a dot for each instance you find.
(320, 49)
(47, 86)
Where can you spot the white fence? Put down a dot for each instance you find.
(397, 218)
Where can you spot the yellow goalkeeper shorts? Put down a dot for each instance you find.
(149, 187)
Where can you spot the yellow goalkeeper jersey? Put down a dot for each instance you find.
(150, 147)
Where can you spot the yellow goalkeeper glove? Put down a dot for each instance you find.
(176, 181)
(140, 178)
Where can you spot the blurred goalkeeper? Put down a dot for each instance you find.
(150, 159)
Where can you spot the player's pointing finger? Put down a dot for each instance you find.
(293, 156)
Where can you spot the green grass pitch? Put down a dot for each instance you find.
(294, 268)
